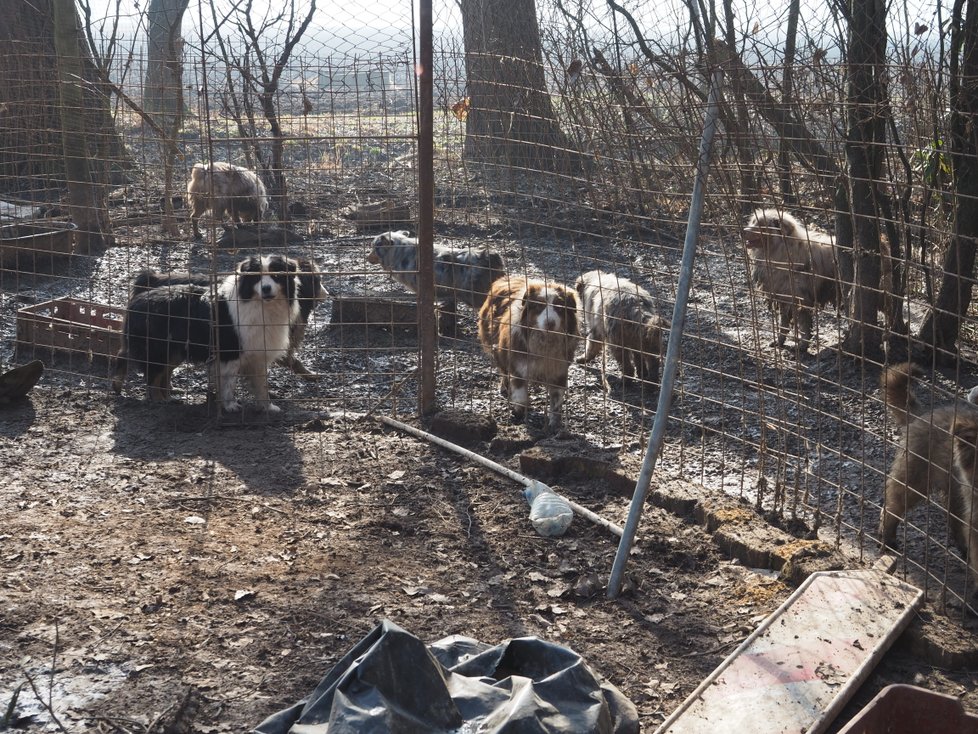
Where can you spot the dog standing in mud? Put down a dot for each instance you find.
(243, 328)
(225, 190)
(796, 268)
(936, 455)
(461, 274)
(529, 328)
(310, 294)
(621, 315)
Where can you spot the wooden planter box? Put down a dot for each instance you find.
(395, 312)
(34, 248)
(72, 326)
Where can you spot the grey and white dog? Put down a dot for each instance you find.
(461, 274)
(621, 315)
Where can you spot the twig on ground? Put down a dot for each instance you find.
(395, 389)
(45, 704)
(8, 716)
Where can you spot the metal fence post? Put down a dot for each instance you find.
(675, 335)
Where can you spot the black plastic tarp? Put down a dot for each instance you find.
(392, 682)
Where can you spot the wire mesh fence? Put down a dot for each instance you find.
(564, 146)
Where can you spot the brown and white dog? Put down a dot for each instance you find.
(225, 190)
(621, 315)
(461, 274)
(529, 329)
(795, 267)
(936, 455)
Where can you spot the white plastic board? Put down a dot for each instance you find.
(797, 670)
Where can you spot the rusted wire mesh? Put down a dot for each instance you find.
(564, 142)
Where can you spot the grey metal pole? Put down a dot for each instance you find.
(675, 335)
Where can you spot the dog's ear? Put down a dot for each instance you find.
(579, 286)
(965, 430)
(250, 264)
(753, 233)
(790, 227)
(570, 303)
(523, 299)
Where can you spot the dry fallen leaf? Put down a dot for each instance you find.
(588, 585)
(461, 108)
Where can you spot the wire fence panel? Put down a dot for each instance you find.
(564, 150)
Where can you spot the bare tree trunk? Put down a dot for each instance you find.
(87, 211)
(796, 137)
(511, 118)
(264, 81)
(30, 93)
(787, 99)
(164, 65)
(941, 329)
(738, 126)
(865, 142)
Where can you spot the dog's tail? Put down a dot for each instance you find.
(146, 280)
(900, 398)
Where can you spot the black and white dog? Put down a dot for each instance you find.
(461, 274)
(310, 294)
(243, 327)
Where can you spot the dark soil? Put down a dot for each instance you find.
(159, 564)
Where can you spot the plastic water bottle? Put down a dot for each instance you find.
(550, 513)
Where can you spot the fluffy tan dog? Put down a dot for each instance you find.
(622, 315)
(225, 190)
(937, 454)
(795, 267)
(529, 328)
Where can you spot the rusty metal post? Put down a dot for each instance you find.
(427, 323)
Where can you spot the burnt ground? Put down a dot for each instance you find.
(159, 564)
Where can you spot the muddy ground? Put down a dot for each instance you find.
(148, 554)
(159, 565)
